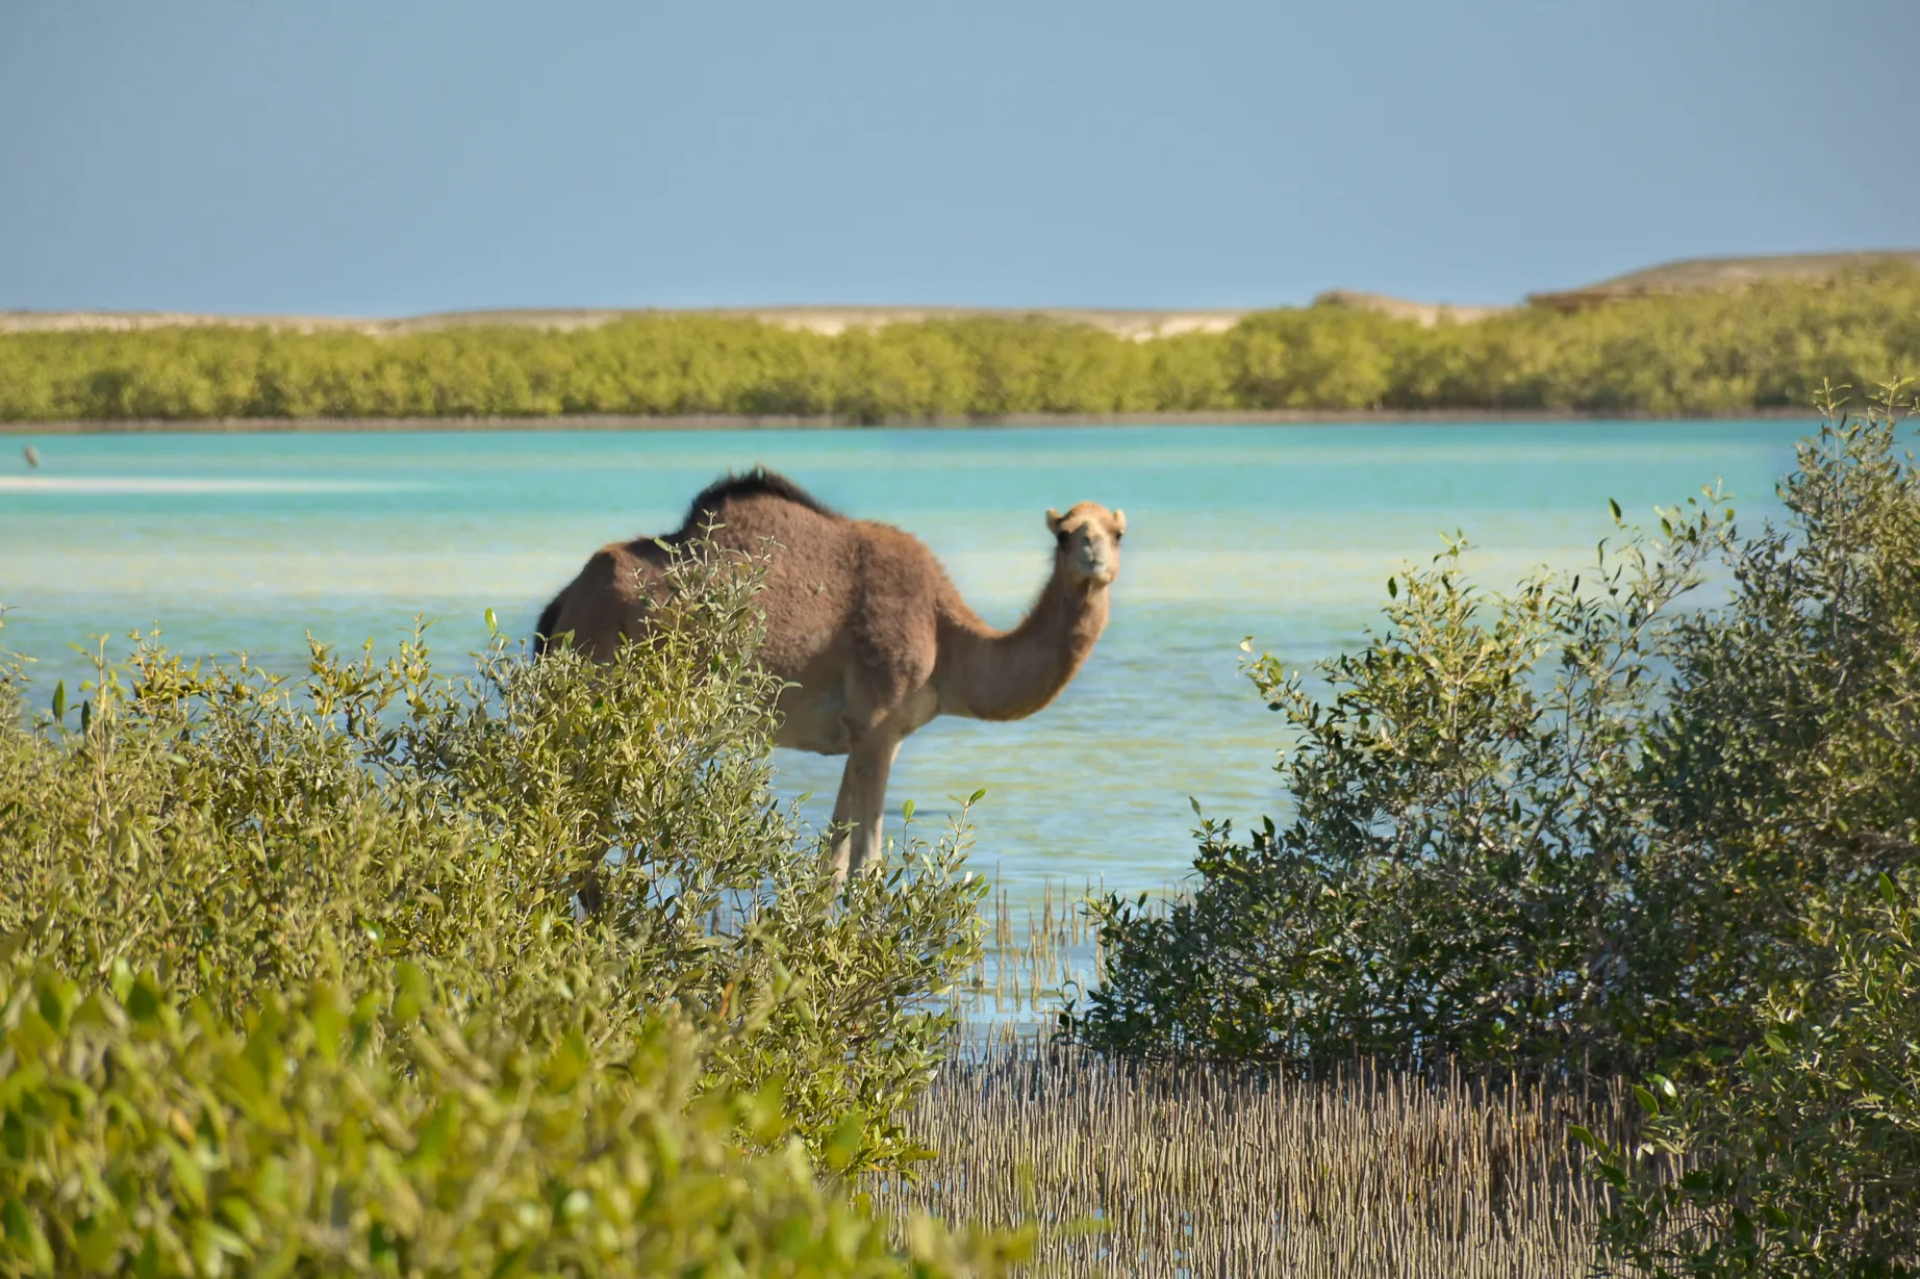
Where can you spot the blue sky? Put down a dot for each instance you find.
(396, 156)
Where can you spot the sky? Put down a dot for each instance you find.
(392, 157)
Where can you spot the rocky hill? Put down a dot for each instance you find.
(1723, 275)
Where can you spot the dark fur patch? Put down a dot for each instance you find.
(543, 629)
(759, 482)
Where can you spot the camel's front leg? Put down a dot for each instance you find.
(862, 803)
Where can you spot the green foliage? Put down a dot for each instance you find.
(1578, 828)
(564, 855)
(1803, 1159)
(403, 1132)
(1786, 760)
(1771, 346)
(1327, 357)
(1451, 880)
(1573, 827)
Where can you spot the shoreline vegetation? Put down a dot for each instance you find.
(733, 422)
(1739, 343)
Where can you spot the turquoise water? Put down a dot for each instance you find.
(1285, 534)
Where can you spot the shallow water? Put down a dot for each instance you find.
(1285, 534)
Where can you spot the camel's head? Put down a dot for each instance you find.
(1088, 542)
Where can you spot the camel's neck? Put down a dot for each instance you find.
(989, 674)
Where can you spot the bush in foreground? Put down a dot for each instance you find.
(399, 1133)
(1803, 1158)
(1578, 829)
(548, 859)
(1574, 826)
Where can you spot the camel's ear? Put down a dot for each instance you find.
(1053, 520)
(1119, 521)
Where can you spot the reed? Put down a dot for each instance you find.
(1037, 954)
(1191, 1169)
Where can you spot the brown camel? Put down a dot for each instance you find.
(864, 625)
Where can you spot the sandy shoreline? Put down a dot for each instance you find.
(728, 422)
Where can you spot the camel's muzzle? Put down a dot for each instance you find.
(1099, 568)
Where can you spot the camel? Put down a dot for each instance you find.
(862, 623)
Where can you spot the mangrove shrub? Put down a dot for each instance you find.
(481, 938)
(1574, 825)
(1802, 1158)
(1771, 346)
(407, 1130)
(1579, 828)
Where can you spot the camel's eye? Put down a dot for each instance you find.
(1118, 538)
(1061, 538)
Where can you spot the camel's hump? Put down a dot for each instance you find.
(759, 482)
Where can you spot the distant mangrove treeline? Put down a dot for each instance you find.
(1770, 346)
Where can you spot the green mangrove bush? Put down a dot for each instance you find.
(537, 864)
(1578, 828)
(1771, 346)
(1802, 1158)
(1574, 825)
(406, 1131)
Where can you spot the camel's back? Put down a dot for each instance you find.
(837, 589)
(833, 584)
(766, 525)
